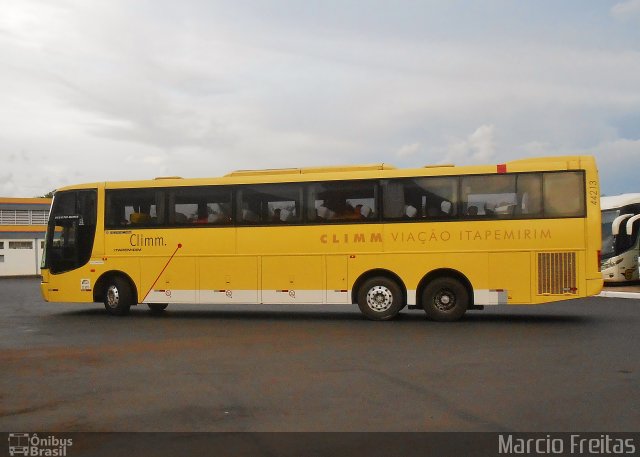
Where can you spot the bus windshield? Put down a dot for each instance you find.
(608, 240)
(72, 226)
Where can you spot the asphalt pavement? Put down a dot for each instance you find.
(569, 366)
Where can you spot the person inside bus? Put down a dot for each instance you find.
(472, 210)
(203, 214)
(287, 215)
(350, 212)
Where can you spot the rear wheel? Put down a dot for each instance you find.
(157, 308)
(380, 298)
(118, 296)
(445, 299)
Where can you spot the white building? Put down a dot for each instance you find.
(23, 222)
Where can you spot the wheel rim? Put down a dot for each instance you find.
(113, 297)
(379, 298)
(444, 300)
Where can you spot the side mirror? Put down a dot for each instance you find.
(630, 223)
(615, 226)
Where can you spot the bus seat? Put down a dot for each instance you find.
(249, 216)
(410, 211)
(325, 213)
(286, 215)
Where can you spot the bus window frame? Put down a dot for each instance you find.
(378, 186)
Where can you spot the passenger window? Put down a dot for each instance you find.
(135, 207)
(270, 204)
(200, 206)
(353, 201)
(563, 194)
(529, 198)
(418, 198)
(489, 196)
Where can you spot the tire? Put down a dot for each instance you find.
(157, 308)
(118, 296)
(380, 298)
(445, 299)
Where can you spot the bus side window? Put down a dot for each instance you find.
(348, 201)
(489, 196)
(393, 199)
(270, 203)
(529, 195)
(563, 194)
(139, 207)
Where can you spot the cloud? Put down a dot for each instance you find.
(7, 184)
(618, 165)
(627, 10)
(478, 147)
(408, 150)
(108, 91)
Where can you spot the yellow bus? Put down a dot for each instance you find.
(444, 239)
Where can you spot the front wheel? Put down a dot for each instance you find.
(118, 296)
(380, 299)
(445, 299)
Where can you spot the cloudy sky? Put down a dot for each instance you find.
(126, 89)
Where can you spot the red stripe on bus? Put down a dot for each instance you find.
(164, 268)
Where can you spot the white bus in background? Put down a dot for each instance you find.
(620, 240)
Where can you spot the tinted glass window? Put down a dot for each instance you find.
(563, 194)
(200, 205)
(529, 197)
(71, 230)
(270, 204)
(135, 207)
(342, 201)
(489, 196)
(420, 198)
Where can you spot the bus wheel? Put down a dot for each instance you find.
(157, 308)
(118, 296)
(445, 299)
(380, 299)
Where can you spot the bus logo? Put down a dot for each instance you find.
(18, 444)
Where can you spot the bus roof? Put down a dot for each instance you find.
(370, 171)
(616, 201)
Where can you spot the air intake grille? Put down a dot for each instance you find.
(557, 273)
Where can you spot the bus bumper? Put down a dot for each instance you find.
(594, 286)
(44, 285)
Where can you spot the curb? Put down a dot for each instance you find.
(612, 294)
